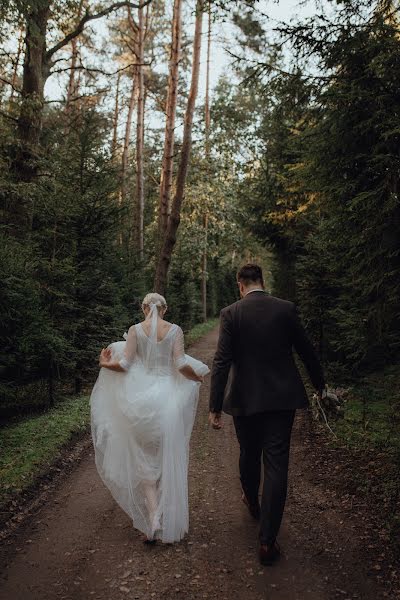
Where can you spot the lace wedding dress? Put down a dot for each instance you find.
(141, 425)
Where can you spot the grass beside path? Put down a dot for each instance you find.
(199, 330)
(28, 448)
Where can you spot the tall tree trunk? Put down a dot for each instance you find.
(169, 140)
(140, 137)
(175, 216)
(207, 115)
(16, 65)
(127, 137)
(72, 82)
(115, 118)
(35, 73)
(207, 148)
(72, 87)
(204, 269)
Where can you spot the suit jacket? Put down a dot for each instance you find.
(255, 347)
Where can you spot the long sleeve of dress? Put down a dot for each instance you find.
(179, 349)
(130, 349)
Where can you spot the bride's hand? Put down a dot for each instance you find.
(105, 356)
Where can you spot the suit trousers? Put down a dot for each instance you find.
(265, 435)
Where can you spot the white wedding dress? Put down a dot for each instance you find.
(141, 425)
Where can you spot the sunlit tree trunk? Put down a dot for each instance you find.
(115, 118)
(169, 140)
(72, 81)
(207, 115)
(35, 73)
(140, 136)
(16, 64)
(207, 148)
(175, 216)
(72, 87)
(127, 137)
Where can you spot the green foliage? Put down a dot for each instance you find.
(79, 266)
(29, 447)
(370, 431)
(24, 328)
(372, 412)
(198, 331)
(61, 297)
(84, 262)
(182, 293)
(325, 196)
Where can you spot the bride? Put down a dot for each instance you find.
(143, 407)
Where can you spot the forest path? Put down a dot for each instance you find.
(81, 546)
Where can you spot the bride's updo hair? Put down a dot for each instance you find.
(157, 299)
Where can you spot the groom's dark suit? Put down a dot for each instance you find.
(255, 348)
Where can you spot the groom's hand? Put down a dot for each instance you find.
(215, 420)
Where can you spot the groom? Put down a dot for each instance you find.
(256, 341)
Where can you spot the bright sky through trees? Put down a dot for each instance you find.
(222, 40)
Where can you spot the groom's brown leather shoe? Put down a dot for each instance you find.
(253, 508)
(269, 554)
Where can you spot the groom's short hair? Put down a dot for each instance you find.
(250, 273)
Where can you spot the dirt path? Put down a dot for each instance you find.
(81, 546)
